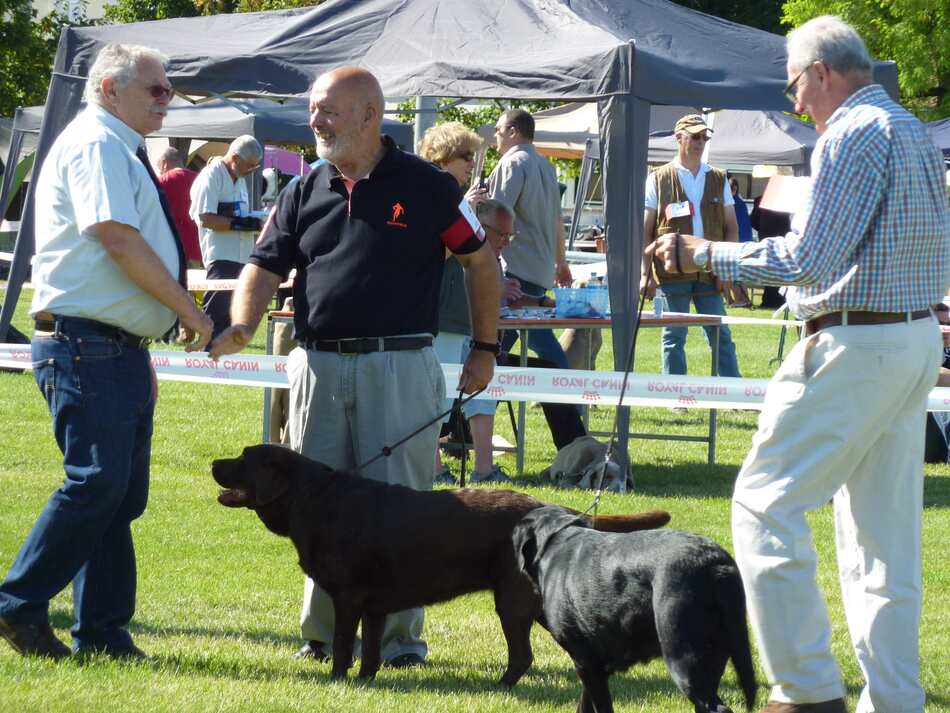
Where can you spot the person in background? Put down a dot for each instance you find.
(366, 233)
(527, 182)
(687, 195)
(107, 278)
(221, 208)
(738, 297)
(176, 181)
(452, 146)
(843, 418)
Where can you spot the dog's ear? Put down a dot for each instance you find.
(525, 545)
(271, 479)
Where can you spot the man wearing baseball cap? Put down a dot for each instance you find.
(689, 196)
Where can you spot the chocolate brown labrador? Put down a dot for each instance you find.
(613, 600)
(378, 548)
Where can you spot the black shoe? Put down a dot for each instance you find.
(313, 650)
(126, 653)
(33, 639)
(405, 661)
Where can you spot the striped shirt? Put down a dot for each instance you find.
(874, 233)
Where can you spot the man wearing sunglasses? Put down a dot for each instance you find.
(866, 259)
(689, 196)
(220, 205)
(107, 279)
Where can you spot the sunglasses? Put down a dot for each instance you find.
(159, 91)
(466, 156)
(791, 91)
(699, 137)
(504, 236)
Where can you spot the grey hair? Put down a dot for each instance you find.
(119, 62)
(170, 155)
(492, 207)
(248, 148)
(831, 40)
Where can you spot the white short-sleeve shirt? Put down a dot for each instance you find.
(92, 175)
(693, 187)
(214, 191)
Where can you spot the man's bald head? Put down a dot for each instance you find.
(346, 114)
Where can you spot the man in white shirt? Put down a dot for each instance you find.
(689, 196)
(107, 277)
(220, 207)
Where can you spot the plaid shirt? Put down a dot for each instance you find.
(874, 233)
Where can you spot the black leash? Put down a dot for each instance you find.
(456, 406)
(615, 434)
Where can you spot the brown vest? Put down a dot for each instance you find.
(669, 190)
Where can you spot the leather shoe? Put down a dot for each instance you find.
(33, 639)
(834, 706)
(313, 650)
(405, 661)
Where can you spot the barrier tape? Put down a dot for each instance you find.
(727, 319)
(568, 386)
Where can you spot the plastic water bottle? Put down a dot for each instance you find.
(659, 305)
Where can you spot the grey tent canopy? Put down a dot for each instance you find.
(940, 131)
(623, 54)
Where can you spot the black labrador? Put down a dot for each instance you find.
(613, 600)
(378, 548)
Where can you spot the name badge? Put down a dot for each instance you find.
(679, 210)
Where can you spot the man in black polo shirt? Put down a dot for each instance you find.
(367, 233)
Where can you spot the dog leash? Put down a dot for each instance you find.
(615, 434)
(386, 451)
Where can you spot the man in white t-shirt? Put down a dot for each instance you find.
(220, 206)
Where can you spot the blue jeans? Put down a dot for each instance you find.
(541, 341)
(673, 339)
(100, 395)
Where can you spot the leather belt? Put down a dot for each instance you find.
(836, 319)
(53, 323)
(367, 345)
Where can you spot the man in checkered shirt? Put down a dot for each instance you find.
(843, 416)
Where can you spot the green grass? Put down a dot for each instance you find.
(219, 596)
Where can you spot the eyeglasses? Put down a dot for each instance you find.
(703, 136)
(159, 91)
(791, 91)
(504, 236)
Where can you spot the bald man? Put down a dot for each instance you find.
(367, 233)
(176, 181)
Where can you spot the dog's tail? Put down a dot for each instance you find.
(730, 599)
(631, 523)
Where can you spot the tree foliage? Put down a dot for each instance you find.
(27, 47)
(761, 14)
(125, 11)
(914, 33)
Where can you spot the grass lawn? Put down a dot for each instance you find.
(219, 596)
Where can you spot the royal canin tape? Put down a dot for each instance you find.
(568, 386)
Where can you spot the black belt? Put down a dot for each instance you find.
(836, 319)
(47, 322)
(367, 345)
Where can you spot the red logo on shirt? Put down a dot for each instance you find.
(398, 212)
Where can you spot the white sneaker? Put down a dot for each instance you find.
(496, 475)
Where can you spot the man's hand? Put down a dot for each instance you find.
(476, 194)
(664, 248)
(648, 286)
(510, 290)
(476, 371)
(194, 330)
(562, 274)
(230, 341)
(724, 286)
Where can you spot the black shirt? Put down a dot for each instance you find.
(368, 264)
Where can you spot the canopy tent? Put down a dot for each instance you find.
(741, 137)
(623, 54)
(940, 131)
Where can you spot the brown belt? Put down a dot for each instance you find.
(49, 322)
(836, 319)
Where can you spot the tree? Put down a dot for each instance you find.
(763, 15)
(27, 47)
(914, 33)
(124, 11)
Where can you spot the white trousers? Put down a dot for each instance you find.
(343, 410)
(843, 418)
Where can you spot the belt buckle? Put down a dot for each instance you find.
(381, 344)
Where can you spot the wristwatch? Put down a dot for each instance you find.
(492, 347)
(701, 256)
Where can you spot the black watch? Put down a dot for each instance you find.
(492, 347)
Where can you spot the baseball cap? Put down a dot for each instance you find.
(691, 124)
